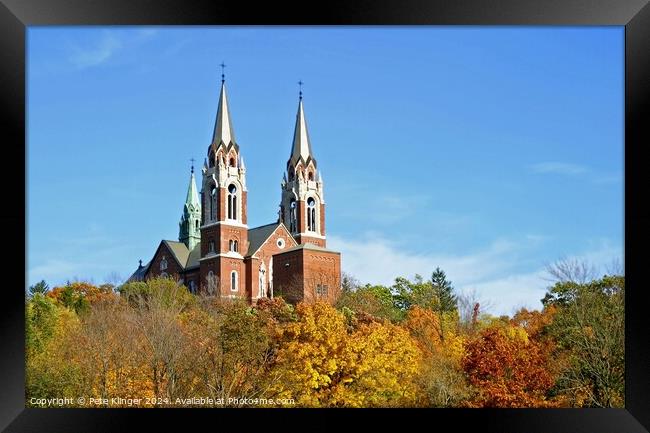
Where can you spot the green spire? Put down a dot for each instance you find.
(189, 232)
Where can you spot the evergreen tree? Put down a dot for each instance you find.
(444, 291)
(40, 287)
(446, 301)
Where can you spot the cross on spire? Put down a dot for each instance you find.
(300, 83)
(223, 76)
(192, 161)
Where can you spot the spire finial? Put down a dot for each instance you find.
(300, 83)
(192, 169)
(223, 76)
(140, 261)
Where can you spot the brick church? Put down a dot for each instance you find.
(217, 254)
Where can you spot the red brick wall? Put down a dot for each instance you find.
(287, 280)
(321, 268)
(173, 269)
(244, 210)
(301, 215)
(322, 220)
(226, 266)
(306, 271)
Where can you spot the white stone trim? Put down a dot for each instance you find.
(232, 223)
(229, 254)
(311, 235)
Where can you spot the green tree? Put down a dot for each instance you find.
(376, 301)
(446, 299)
(589, 327)
(40, 287)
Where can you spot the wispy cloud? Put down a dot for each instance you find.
(106, 46)
(500, 272)
(562, 168)
(96, 53)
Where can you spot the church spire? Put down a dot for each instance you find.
(189, 232)
(192, 198)
(301, 144)
(223, 130)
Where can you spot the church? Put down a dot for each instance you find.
(217, 254)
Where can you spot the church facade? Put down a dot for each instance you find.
(218, 254)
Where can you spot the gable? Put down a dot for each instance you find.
(171, 249)
(271, 232)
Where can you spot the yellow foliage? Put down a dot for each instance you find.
(324, 364)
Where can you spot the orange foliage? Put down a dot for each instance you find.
(508, 369)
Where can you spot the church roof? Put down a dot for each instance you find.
(223, 130)
(309, 246)
(179, 251)
(194, 256)
(301, 144)
(258, 235)
(138, 275)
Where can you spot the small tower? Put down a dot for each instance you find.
(302, 207)
(224, 229)
(189, 226)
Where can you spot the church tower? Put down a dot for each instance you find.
(189, 226)
(302, 208)
(224, 230)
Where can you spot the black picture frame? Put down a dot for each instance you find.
(17, 15)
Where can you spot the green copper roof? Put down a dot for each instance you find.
(192, 194)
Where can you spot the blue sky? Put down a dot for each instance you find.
(487, 151)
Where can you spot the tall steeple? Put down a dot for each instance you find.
(223, 130)
(189, 230)
(302, 206)
(301, 144)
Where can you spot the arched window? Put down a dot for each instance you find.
(211, 247)
(232, 202)
(233, 245)
(311, 214)
(197, 224)
(292, 216)
(213, 203)
(234, 281)
(232, 161)
(291, 173)
(192, 287)
(311, 175)
(236, 246)
(211, 159)
(163, 264)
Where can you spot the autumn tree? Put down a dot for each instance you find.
(507, 368)
(156, 310)
(230, 350)
(325, 364)
(50, 355)
(441, 380)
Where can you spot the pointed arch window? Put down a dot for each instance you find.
(311, 214)
(213, 203)
(292, 216)
(163, 264)
(232, 202)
